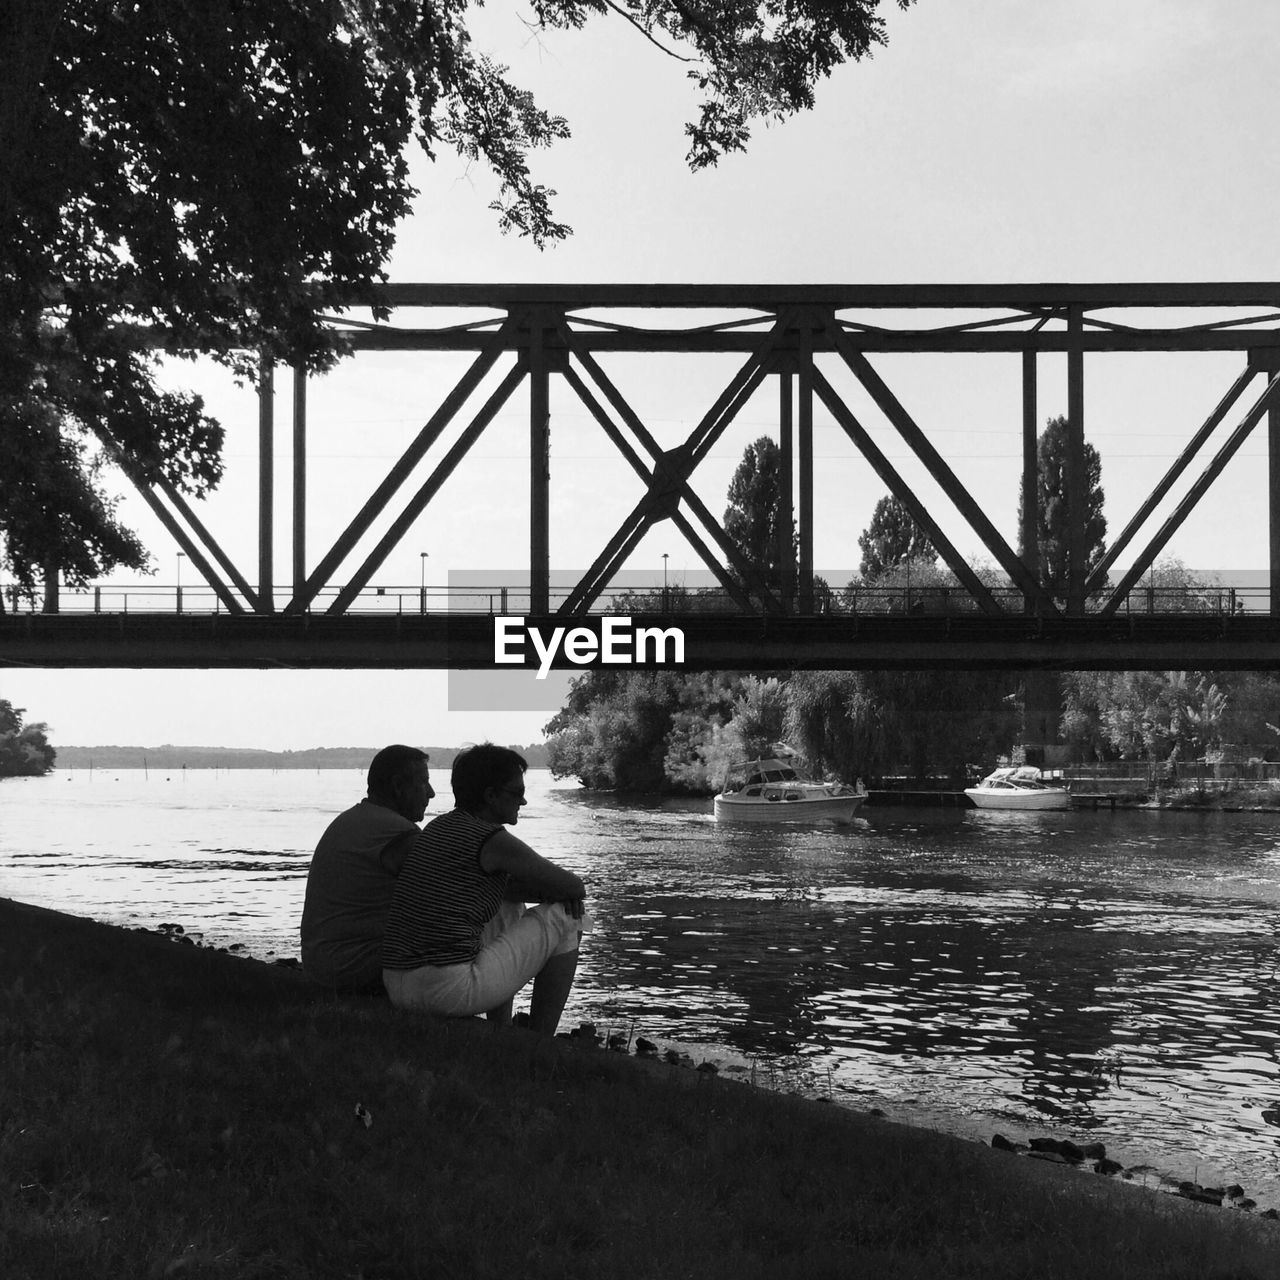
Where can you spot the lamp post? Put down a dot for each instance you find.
(181, 557)
(422, 583)
(665, 605)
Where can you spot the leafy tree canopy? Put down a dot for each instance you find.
(892, 538)
(642, 730)
(24, 749)
(227, 170)
(1052, 530)
(755, 515)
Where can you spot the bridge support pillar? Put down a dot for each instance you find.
(299, 478)
(1273, 504)
(786, 525)
(540, 463)
(1077, 488)
(1028, 532)
(806, 474)
(266, 485)
(1267, 360)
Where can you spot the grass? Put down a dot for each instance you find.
(169, 1111)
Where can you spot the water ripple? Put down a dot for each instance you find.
(1113, 974)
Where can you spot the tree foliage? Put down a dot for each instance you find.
(1159, 716)
(892, 538)
(24, 748)
(228, 172)
(644, 731)
(748, 60)
(832, 723)
(756, 515)
(1253, 706)
(1166, 715)
(1053, 527)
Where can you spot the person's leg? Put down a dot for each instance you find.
(551, 989)
(544, 939)
(509, 914)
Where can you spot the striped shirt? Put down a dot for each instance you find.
(444, 897)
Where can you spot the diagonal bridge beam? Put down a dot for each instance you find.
(668, 481)
(790, 329)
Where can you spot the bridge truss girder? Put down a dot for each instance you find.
(542, 333)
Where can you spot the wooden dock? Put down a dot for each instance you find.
(1096, 799)
(918, 799)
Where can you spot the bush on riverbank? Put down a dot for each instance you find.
(24, 748)
(171, 1111)
(1232, 794)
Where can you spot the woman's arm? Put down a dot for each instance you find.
(530, 872)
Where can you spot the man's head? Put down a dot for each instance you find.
(400, 780)
(489, 775)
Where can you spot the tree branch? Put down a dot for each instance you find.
(671, 53)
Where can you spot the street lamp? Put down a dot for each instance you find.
(181, 557)
(422, 583)
(664, 583)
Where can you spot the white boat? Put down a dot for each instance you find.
(772, 789)
(1018, 788)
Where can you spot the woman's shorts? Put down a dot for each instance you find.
(514, 947)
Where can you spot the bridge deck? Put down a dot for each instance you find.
(764, 643)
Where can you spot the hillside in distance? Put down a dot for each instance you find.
(177, 757)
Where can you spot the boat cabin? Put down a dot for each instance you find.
(758, 773)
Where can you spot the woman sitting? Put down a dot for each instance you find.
(459, 938)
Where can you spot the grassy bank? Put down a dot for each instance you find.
(1229, 797)
(171, 1111)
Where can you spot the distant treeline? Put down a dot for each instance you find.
(171, 757)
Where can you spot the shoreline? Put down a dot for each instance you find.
(162, 1097)
(1187, 1176)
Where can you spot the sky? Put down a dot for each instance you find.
(1084, 140)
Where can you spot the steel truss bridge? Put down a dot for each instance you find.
(526, 336)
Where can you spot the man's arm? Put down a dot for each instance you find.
(396, 850)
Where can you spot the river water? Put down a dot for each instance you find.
(1106, 977)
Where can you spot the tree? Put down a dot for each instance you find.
(642, 730)
(926, 721)
(892, 538)
(1043, 689)
(756, 515)
(1253, 706)
(24, 749)
(833, 722)
(944, 721)
(225, 173)
(1155, 715)
(1053, 529)
(722, 720)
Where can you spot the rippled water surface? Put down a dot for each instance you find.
(1112, 976)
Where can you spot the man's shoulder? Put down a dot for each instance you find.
(366, 818)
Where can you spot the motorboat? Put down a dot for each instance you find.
(772, 789)
(1022, 787)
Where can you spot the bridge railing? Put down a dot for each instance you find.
(514, 600)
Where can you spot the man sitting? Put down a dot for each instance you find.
(354, 870)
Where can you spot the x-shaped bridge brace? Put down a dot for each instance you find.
(781, 341)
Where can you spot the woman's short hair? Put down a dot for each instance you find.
(393, 765)
(478, 768)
